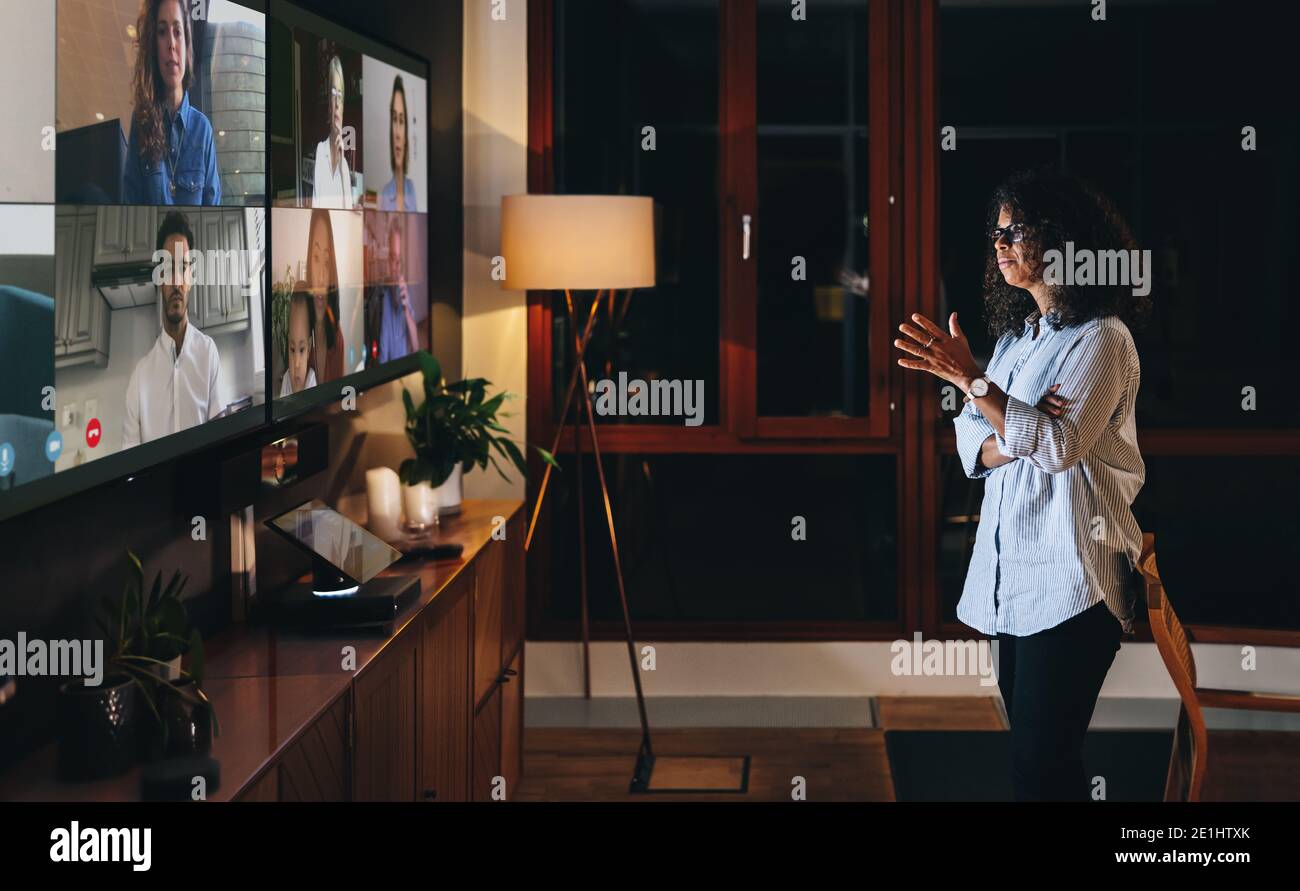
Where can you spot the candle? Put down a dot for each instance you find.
(384, 502)
(421, 503)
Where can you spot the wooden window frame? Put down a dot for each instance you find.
(740, 430)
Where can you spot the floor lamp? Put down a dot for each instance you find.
(601, 243)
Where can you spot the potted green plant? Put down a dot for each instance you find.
(148, 702)
(454, 429)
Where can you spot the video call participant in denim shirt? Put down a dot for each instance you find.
(171, 158)
(398, 154)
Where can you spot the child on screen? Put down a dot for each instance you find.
(302, 327)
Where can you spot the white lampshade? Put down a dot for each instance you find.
(583, 242)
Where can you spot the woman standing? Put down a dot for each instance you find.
(171, 157)
(323, 284)
(1051, 427)
(395, 197)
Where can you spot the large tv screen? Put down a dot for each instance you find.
(349, 218)
(213, 214)
(133, 237)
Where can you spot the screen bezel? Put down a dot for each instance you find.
(122, 464)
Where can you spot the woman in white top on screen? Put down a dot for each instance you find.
(300, 375)
(332, 182)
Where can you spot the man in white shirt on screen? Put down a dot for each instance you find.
(331, 180)
(174, 386)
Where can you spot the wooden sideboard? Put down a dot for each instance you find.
(430, 710)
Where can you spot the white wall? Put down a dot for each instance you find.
(495, 333)
(27, 72)
(861, 669)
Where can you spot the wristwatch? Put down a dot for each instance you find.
(979, 388)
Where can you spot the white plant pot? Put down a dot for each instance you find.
(450, 494)
(168, 672)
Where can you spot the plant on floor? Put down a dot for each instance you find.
(456, 423)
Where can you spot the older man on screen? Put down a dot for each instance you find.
(332, 179)
(174, 386)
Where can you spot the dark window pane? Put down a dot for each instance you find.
(811, 233)
(1225, 531)
(622, 66)
(709, 537)
(1149, 106)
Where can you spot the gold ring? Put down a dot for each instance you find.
(927, 346)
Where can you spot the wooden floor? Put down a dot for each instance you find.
(838, 764)
(835, 763)
(940, 713)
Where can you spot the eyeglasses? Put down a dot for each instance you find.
(1015, 233)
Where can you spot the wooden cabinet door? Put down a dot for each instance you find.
(87, 318)
(315, 768)
(112, 230)
(139, 238)
(445, 707)
(65, 275)
(236, 291)
(384, 728)
(208, 299)
(490, 579)
(265, 789)
(512, 725)
(514, 606)
(487, 747)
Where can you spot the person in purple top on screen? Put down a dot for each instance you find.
(172, 157)
(393, 197)
(397, 328)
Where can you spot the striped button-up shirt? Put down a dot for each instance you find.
(1056, 534)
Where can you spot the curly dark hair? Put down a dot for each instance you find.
(147, 88)
(1055, 208)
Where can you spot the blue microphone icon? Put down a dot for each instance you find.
(54, 445)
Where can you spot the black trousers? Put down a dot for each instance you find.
(1049, 683)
